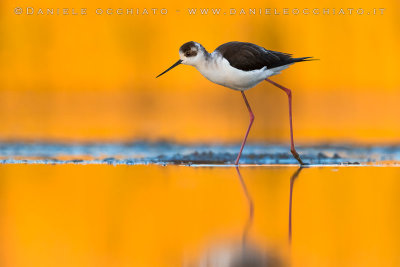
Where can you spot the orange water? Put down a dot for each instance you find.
(99, 215)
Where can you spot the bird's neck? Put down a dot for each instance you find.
(208, 66)
(207, 60)
(207, 56)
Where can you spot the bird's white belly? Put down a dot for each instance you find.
(221, 72)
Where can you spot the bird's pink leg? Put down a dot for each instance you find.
(248, 129)
(289, 93)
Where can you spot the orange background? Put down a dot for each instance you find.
(92, 78)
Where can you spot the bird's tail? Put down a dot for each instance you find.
(301, 59)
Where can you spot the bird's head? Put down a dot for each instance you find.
(190, 53)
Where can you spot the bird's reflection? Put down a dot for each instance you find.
(250, 218)
(292, 180)
(247, 253)
(250, 255)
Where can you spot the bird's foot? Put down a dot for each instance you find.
(297, 157)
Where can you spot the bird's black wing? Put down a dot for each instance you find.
(248, 56)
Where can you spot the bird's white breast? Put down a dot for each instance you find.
(218, 70)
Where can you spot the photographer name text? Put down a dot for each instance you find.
(40, 11)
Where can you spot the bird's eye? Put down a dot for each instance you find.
(187, 54)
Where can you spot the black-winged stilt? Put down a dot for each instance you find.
(240, 66)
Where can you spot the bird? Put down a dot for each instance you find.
(240, 66)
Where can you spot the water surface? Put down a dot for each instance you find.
(163, 153)
(102, 215)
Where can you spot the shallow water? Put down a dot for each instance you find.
(163, 153)
(101, 215)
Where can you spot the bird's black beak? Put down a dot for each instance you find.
(170, 68)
